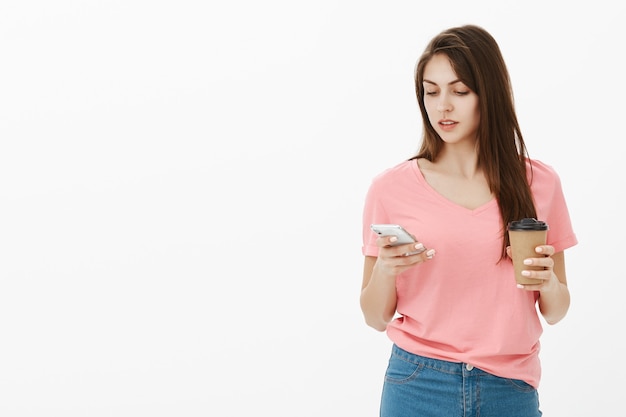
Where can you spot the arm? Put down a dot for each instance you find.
(378, 291)
(378, 295)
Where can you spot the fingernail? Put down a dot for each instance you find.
(393, 239)
(520, 286)
(527, 262)
(430, 253)
(539, 249)
(419, 246)
(526, 273)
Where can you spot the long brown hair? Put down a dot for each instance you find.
(476, 59)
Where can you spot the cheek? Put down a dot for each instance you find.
(431, 109)
(477, 116)
(476, 108)
(473, 112)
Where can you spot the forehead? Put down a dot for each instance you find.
(439, 70)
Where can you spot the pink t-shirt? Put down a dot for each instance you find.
(463, 305)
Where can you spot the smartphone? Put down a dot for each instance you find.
(398, 231)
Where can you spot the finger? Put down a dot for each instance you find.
(399, 250)
(419, 258)
(530, 287)
(547, 250)
(424, 255)
(546, 262)
(543, 274)
(414, 249)
(385, 241)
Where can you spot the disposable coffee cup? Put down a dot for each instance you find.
(525, 235)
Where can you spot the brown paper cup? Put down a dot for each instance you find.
(524, 240)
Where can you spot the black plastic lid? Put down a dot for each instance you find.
(528, 224)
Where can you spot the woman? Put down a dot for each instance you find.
(465, 336)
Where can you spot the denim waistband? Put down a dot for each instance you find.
(457, 368)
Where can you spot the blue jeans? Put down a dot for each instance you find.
(416, 386)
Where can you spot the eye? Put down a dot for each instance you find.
(431, 93)
(461, 93)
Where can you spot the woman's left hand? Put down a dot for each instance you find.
(550, 280)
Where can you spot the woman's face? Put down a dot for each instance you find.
(451, 106)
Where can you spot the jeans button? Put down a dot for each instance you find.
(469, 367)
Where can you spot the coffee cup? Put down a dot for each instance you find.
(525, 235)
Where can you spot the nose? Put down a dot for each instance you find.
(443, 105)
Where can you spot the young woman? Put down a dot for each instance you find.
(465, 335)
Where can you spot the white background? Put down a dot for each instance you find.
(181, 187)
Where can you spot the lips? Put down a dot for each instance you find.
(446, 124)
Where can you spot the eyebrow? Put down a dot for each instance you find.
(450, 83)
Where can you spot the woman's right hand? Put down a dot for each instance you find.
(392, 260)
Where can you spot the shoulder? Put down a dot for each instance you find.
(540, 173)
(392, 174)
(544, 181)
(393, 180)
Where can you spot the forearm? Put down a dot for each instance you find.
(554, 301)
(378, 300)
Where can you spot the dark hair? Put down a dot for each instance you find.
(476, 59)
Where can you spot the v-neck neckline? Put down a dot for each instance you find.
(422, 179)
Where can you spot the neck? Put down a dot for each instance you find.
(459, 161)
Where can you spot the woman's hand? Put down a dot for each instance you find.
(392, 260)
(547, 275)
(554, 299)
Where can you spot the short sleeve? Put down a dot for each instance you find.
(373, 212)
(552, 207)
